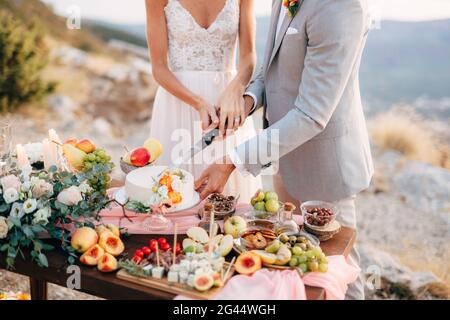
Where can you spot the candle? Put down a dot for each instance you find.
(55, 151)
(22, 159)
(47, 154)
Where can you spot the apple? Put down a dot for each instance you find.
(270, 195)
(107, 263)
(83, 239)
(139, 157)
(260, 206)
(86, 145)
(154, 147)
(234, 226)
(92, 256)
(74, 156)
(272, 206)
(226, 244)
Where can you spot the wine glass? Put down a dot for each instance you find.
(157, 221)
(5, 144)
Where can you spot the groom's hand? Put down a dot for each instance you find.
(214, 178)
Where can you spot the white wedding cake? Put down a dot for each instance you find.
(153, 184)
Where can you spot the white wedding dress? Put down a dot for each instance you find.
(204, 61)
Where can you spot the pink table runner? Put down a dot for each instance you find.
(184, 219)
(269, 284)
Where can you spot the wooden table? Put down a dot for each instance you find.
(109, 287)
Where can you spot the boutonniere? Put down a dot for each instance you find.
(291, 6)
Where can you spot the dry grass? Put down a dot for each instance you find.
(401, 129)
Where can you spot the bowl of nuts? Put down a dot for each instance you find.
(224, 205)
(318, 214)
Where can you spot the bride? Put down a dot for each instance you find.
(193, 52)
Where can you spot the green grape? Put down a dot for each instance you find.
(302, 258)
(293, 262)
(303, 267)
(323, 267)
(313, 266)
(317, 251)
(310, 254)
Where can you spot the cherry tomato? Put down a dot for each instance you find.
(161, 241)
(165, 246)
(146, 251)
(139, 253)
(137, 259)
(177, 249)
(153, 245)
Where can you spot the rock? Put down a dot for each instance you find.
(103, 128)
(70, 56)
(63, 106)
(425, 187)
(375, 262)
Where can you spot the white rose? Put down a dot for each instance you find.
(177, 184)
(41, 216)
(29, 205)
(163, 191)
(3, 228)
(26, 186)
(41, 188)
(10, 181)
(17, 211)
(85, 187)
(70, 196)
(154, 199)
(11, 195)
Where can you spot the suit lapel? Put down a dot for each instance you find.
(272, 31)
(279, 39)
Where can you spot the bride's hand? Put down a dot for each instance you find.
(208, 116)
(232, 110)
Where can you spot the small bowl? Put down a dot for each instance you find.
(222, 215)
(304, 207)
(127, 168)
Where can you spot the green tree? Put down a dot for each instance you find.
(23, 55)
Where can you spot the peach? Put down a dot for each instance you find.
(107, 228)
(111, 243)
(247, 263)
(71, 141)
(83, 239)
(92, 256)
(139, 157)
(86, 145)
(107, 263)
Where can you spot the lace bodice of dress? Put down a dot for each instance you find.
(194, 48)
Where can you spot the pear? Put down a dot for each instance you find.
(274, 246)
(284, 254)
(74, 155)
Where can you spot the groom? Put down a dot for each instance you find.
(309, 88)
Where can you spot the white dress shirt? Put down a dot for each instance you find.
(234, 157)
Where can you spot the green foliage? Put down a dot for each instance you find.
(22, 57)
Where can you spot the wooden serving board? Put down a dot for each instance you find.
(174, 288)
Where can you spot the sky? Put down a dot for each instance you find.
(133, 11)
